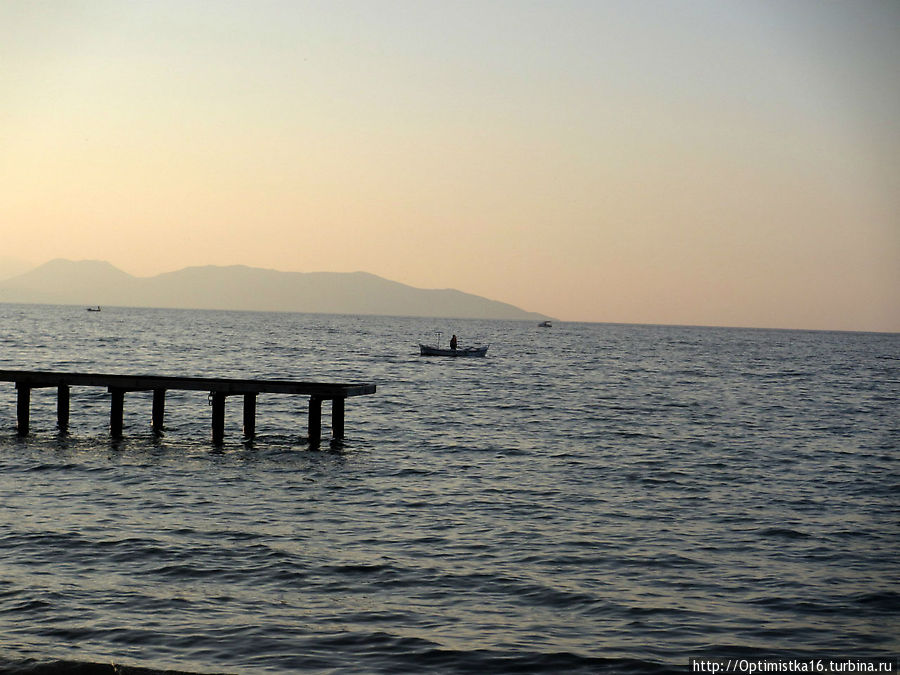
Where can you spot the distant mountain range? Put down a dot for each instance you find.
(92, 282)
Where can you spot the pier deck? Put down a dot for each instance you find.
(219, 389)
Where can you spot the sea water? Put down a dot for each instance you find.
(587, 498)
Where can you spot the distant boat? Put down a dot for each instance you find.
(94, 309)
(428, 350)
(437, 350)
(545, 324)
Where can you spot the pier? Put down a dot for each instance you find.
(219, 390)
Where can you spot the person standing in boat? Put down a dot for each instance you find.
(453, 343)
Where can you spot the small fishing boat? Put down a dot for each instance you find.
(94, 309)
(429, 350)
(432, 350)
(545, 324)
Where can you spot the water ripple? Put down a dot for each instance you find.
(602, 499)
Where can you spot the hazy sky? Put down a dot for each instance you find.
(725, 162)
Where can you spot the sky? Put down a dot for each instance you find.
(700, 162)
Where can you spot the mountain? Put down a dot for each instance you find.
(93, 282)
(10, 267)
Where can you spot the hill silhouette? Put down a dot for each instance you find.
(238, 287)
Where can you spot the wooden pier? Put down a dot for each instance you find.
(219, 389)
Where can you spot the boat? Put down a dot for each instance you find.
(545, 324)
(437, 350)
(429, 350)
(94, 309)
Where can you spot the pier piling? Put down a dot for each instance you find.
(218, 417)
(249, 415)
(337, 418)
(62, 407)
(23, 407)
(315, 420)
(159, 410)
(116, 411)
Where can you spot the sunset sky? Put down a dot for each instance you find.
(711, 162)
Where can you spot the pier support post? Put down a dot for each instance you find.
(116, 410)
(23, 407)
(249, 415)
(159, 410)
(218, 417)
(62, 407)
(315, 420)
(337, 418)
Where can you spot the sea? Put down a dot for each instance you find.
(587, 498)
